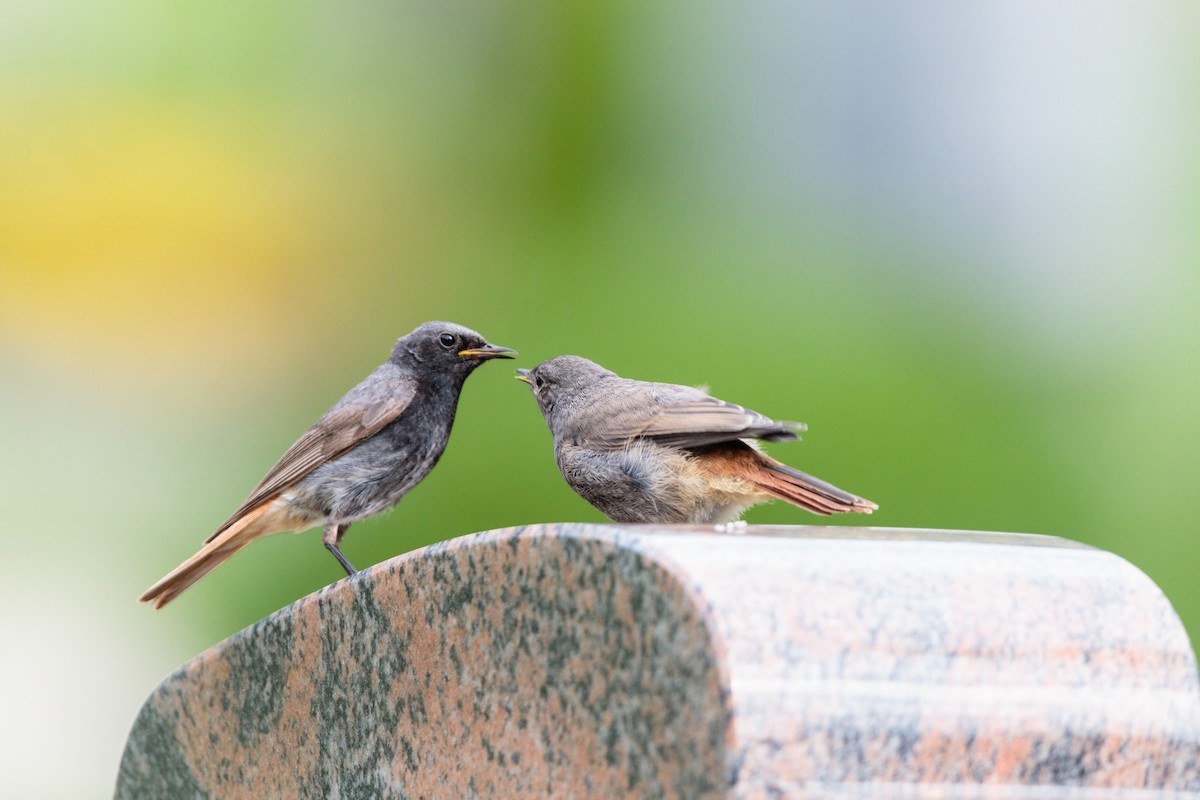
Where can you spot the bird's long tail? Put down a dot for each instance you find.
(216, 550)
(781, 481)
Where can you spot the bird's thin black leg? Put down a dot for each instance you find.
(332, 537)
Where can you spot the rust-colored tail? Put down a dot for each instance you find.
(780, 480)
(212, 555)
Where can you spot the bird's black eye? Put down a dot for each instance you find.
(540, 381)
(447, 340)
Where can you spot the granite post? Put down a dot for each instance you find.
(605, 661)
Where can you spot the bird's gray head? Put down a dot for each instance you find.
(561, 384)
(446, 348)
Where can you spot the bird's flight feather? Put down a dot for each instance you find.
(680, 416)
(363, 412)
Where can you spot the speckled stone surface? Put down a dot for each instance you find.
(600, 661)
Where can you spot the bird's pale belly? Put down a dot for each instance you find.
(649, 483)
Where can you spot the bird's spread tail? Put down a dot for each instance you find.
(781, 481)
(213, 554)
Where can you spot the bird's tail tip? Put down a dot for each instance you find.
(814, 494)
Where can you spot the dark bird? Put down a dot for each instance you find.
(361, 457)
(658, 452)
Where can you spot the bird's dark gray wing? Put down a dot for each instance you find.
(681, 416)
(362, 412)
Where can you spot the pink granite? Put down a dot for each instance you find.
(641, 661)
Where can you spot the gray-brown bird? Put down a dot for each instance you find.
(658, 452)
(360, 458)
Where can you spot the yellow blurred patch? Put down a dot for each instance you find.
(141, 231)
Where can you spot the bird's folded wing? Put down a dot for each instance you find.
(364, 411)
(684, 417)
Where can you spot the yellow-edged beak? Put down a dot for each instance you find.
(488, 351)
(523, 375)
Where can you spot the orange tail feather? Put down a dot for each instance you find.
(781, 481)
(214, 553)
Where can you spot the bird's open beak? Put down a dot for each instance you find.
(488, 351)
(523, 375)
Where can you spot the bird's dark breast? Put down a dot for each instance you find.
(374, 475)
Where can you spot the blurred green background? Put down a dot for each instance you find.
(960, 242)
